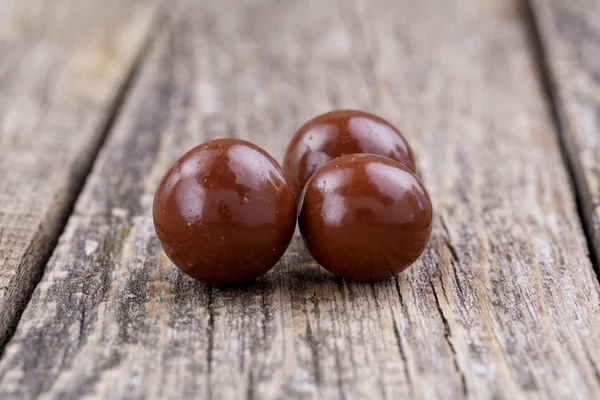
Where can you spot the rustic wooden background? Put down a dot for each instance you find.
(500, 99)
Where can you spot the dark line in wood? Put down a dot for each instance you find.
(378, 312)
(576, 182)
(397, 333)
(455, 260)
(401, 350)
(340, 283)
(337, 317)
(242, 349)
(453, 252)
(448, 337)
(443, 287)
(210, 327)
(314, 351)
(457, 282)
(315, 300)
(313, 343)
(266, 313)
(250, 387)
(449, 245)
(338, 367)
(267, 316)
(400, 298)
(81, 322)
(594, 367)
(210, 334)
(76, 182)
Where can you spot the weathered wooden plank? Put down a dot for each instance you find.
(62, 66)
(504, 303)
(570, 38)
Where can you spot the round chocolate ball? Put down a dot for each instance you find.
(365, 217)
(339, 133)
(225, 212)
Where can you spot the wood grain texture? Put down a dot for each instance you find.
(62, 66)
(570, 36)
(503, 304)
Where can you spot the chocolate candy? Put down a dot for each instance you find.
(225, 212)
(365, 217)
(338, 133)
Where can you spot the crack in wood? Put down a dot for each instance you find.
(455, 260)
(265, 312)
(397, 333)
(453, 252)
(401, 351)
(313, 342)
(80, 336)
(210, 327)
(266, 316)
(593, 365)
(341, 284)
(378, 312)
(251, 385)
(337, 361)
(449, 245)
(448, 337)
(397, 285)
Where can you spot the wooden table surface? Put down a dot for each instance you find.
(499, 98)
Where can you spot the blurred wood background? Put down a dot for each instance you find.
(499, 98)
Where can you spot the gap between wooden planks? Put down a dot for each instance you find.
(504, 304)
(571, 51)
(63, 65)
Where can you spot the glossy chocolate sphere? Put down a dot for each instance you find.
(225, 212)
(365, 217)
(339, 133)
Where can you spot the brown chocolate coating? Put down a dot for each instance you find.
(365, 217)
(225, 212)
(339, 133)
